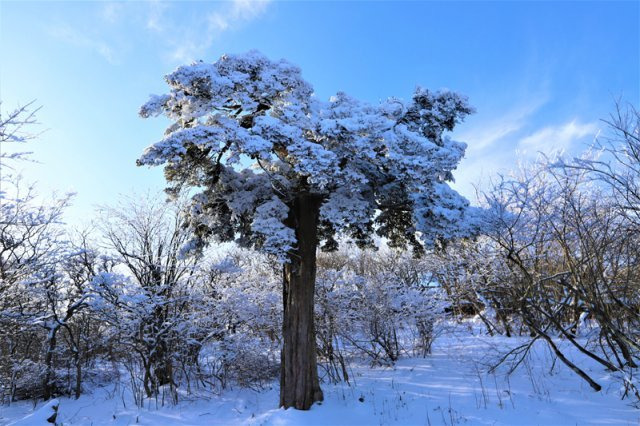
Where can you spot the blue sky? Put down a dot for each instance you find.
(540, 74)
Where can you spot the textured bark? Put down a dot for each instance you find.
(299, 384)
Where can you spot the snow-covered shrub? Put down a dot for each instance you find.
(24, 381)
(567, 252)
(38, 298)
(245, 361)
(239, 299)
(472, 274)
(396, 316)
(377, 305)
(335, 292)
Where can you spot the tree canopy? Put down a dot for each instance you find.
(250, 135)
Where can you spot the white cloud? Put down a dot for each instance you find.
(189, 42)
(552, 139)
(511, 146)
(155, 15)
(248, 9)
(490, 130)
(111, 12)
(183, 34)
(77, 38)
(491, 139)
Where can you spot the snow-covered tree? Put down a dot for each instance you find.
(614, 162)
(14, 132)
(278, 169)
(35, 299)
(145, 236)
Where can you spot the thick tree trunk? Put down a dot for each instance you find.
(299, 384)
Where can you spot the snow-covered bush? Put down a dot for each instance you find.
(374, 305)
(244, 360)
(44, 296)
(473, 274)
(242, 293)
(37, 298)
(560, 248)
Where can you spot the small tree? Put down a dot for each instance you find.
(34, 294)
(145, 237)
(36, 301)
(277, 169)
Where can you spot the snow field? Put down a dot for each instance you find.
(450, 387)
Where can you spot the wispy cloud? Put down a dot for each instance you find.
(189, 42)
(557, 138)
(515, 146)
(492, 138)
(492, 129)
(111, 12)
(79, 39)
(155, 16)
(248, 9)
(180, 34)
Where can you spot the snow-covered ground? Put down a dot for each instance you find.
(452, 386)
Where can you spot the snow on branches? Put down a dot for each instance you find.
(250, 135)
